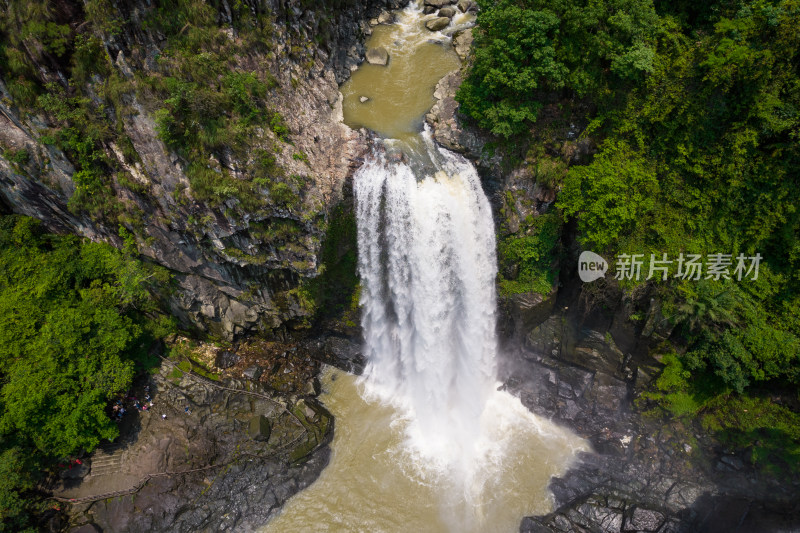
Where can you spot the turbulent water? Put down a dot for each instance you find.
(424, 441)
(427, 266)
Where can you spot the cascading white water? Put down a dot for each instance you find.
(427, 265)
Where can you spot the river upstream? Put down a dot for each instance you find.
(424, 441)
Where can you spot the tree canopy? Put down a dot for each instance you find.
(78, 318)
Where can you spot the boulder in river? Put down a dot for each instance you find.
(463, 42)
(427, 10)
(439, 23)
(448, 12)
(468, 6)
(439, 3)
(363, 99)
(377, 56)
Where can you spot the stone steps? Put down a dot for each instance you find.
(107, 460)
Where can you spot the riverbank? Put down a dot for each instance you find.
(210, 453)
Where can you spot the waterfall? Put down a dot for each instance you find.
(424, 441)
(427, 265)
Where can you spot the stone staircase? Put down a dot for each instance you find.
(107, 460)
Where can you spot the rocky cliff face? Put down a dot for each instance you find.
(239, 262)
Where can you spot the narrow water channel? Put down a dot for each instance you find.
(424, 441)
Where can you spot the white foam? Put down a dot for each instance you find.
(427, 265)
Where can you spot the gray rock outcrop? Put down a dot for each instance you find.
(258, 428)
(439, 23)
(377, 56)
(468, 6)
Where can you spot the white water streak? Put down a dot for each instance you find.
(427, 264)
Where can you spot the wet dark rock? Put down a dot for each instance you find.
(258, 428)
(235, 433)
(641, 476)
(253, 372)
(729, 463)
(427, 10)
(439, 23)
(340, 351)
(644, 520)
(396, 156)
(527, 310)
(448, 12)
(226, 359)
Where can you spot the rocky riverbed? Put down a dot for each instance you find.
(645, 474)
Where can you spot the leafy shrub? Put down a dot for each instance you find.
(532, 252)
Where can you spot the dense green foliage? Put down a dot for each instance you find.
(527, 258)
(78, 319)
(35, 39)
(527, 48)
(696, 111)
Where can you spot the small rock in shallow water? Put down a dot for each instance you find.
(437, 24)
(363, 99)
(385, 18)
(377, 56)
(396, 156)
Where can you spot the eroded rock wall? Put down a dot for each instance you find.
(235, 272)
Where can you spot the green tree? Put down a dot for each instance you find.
(75, 318)
(612, 196)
